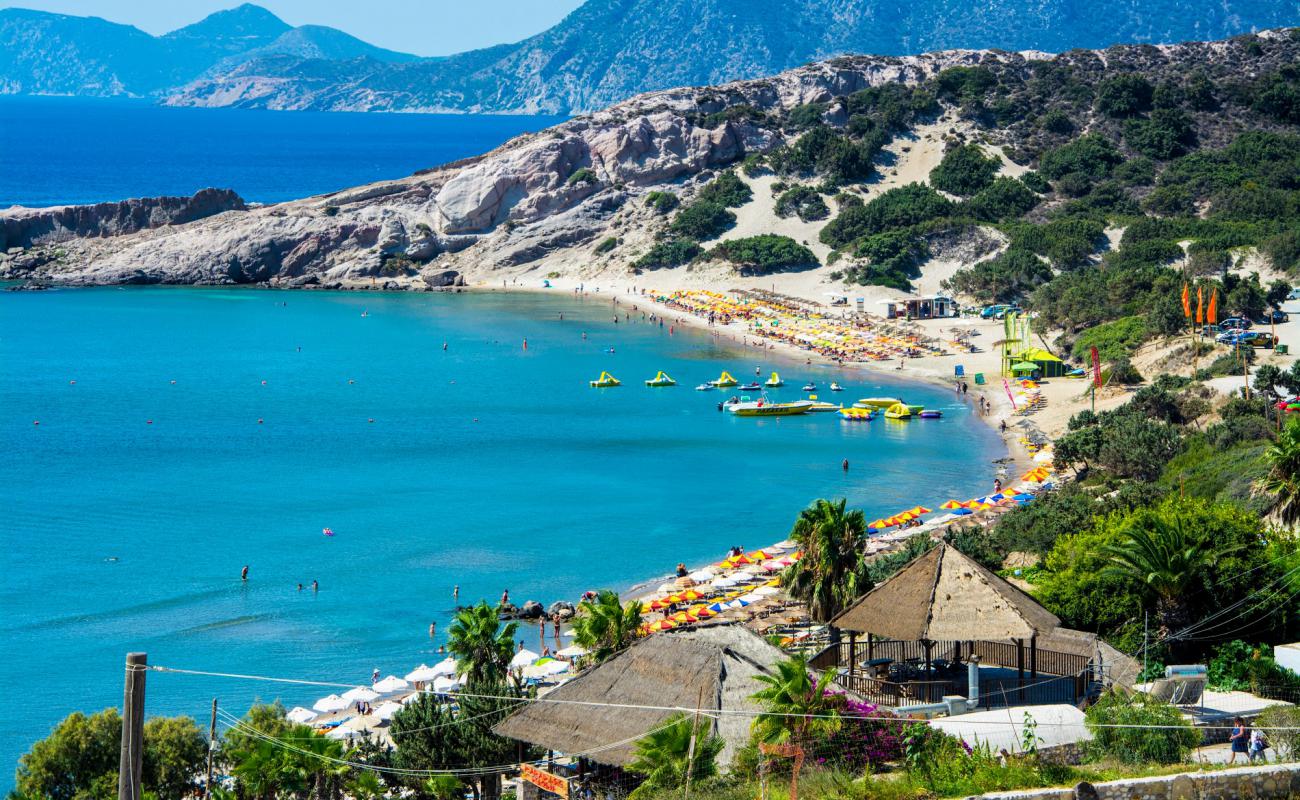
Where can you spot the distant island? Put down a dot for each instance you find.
(604, 52)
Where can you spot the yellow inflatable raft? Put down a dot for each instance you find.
(606, 380)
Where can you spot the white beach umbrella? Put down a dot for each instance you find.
(766, 591)
(411, 698)
(751, 597)
(390, 684)
(447, 666)
(350, 728)
(523, 658)
(385, 711)
(330, 704)
(785, 545)
(572, 651)
(443, 684)
(300, 715)
(724, 582)
(422, 673)
(701, 576)
(361, 694)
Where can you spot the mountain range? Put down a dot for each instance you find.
(604, 52)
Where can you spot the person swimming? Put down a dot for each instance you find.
(243, 573)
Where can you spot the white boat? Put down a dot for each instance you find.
(762, 408)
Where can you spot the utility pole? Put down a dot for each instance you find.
(212, 747)
(690, 750)
(131, 765)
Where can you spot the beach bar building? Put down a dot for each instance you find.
(912, 640)
(928, 307)
(619, 701)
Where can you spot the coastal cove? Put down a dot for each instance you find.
(136, 500)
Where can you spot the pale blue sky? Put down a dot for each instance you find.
(423, 27)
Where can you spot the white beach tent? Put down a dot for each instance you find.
(442, 684)
(447, 666)
(390, 684)
(300, 715)
(572, 651)
(385, 711)
(361, 694)
(523, 658)
(330, 704)
(422, 674)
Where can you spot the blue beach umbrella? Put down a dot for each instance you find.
(961, 512)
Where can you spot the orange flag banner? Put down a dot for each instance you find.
(1187, 303)
(1200, 305)
(1212, 315)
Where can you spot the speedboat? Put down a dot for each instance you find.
(877, 402)
(661, 379)
(774, 382)
(724, 380)
(605, 381)
(810, 387)
(835, 387)
(753, 386)
(704, 387)
(762, 408)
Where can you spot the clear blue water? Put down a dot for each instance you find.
(487, 465)
(56, 150)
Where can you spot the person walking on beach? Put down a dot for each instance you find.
(243, 573)
(1238, 738)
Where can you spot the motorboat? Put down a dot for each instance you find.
(753, 386)
(661, 379)
(605, 381)
(810, 387)
(724, 380)
(704, 387)
(835, 387)
(898, 411)
(858, 414)
(877, 402)
(774, 382)
(762, 408)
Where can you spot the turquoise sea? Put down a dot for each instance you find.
(149, 482)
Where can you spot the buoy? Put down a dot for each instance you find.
(72, 383)
(372, 419)
(173, 383)
(148, 422)
(259, 420)
(351, 381)
(36, 422)
(263, 383)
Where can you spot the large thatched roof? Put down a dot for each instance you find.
(718, 663)
(945, 596)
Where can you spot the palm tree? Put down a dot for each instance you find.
(604, 626)
(795, 707)
(831, 573)
(1166, 558)
(1283, 478)
(481, 645)
(662, 754)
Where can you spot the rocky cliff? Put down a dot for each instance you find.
(26, 227)
(545, 201)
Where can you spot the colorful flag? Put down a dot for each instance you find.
(1096, 366)
(1212, 315)
(1200, 305)
(1011, 397)
(1187, 302)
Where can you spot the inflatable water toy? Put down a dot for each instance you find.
(835, 387)
(822, 405)
(857, 414)
(704, 387)
(810, 387)
(877, 402)
(762, 408)
(751, 387)
(724, 379)
(661, 379)
(930, 414)
(898, 411)
(774, 382)
(606, 380)
(914, 409)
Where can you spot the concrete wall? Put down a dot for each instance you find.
(1262, 783)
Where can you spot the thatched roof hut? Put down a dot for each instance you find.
(944, 595)
(717, 664)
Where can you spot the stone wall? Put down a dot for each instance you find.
(1262, 783)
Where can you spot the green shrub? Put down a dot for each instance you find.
(964, 171)
(606, 245)
(1283, 250)
(1123, 373)
(702, 220)
(803, 201)
(1091, 155)
(1237, 666)
(1165, 134)
(668, 253)
(1035, 181)
(755, 164)
(1003, 199)
(727, 190)
(1164, 737)
(662, 202)
(1113, 340)
(583, 176)
(1124, 95)
(330, 211)
(1008, 277)
(1281, 724)
(765, 253)
(1056, 121)
(893, 257)
(897, 208)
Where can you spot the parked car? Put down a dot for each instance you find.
(1277, 317)
(1257, 339)
(1229, 337)
(1240, 323)
(995, 311)
(1295, 294)
(1211, 330)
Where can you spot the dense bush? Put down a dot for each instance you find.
(893, 259)
(1240, 667)
(662, 202)
(1159, 734)
(1010, 276)
(897, 208)
(668, 253)
(1124, 95)
(727, 190)
(803, 201)
(1091, 155)
(1165, 134)
(1113, 340)
(964, 171)
(1281, 725)
(582, 176)
(702, 220)
(1003, 199)
(606, 244)
(759, 255)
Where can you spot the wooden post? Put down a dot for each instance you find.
(1020, 669)
(871, 647)
(1033, 660)
(212, 747)
(690, 750)
(131, 764)
(853, 652)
